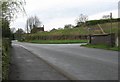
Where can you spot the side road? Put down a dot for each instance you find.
(26, 66)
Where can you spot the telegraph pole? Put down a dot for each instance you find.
(111, 29)
(111, 23)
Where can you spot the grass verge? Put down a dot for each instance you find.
(57, 41)
(106, 47)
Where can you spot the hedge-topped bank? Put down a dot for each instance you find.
(57, 37)
(102, 21)
(79, 33)
(5, 58)
(58, 41)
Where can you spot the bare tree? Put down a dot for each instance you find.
(10, 8)
(37, 22)
(27, 27)
(8, 12)
(68, 26)
(81, 20)
(13, 30)
(106, 16)
(32, 22)
(53, 29)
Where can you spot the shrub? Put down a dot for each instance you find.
(5, 58)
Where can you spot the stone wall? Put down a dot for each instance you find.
(108, 39)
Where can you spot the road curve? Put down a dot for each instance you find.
(26, 66)
(79, 63)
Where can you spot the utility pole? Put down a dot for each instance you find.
(111, 29)
(89, 36)
(111, 23)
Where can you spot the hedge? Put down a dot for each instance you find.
(6, 43)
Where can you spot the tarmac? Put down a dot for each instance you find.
(26, 66)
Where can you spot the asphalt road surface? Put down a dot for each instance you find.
(78, 63)
(26, 66)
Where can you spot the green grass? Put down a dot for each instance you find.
(57, 41)
(106, 47)
(69, 31)
(106, 27)
(83, 30)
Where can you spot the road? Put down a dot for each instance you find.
(78, 63)
(24, 65)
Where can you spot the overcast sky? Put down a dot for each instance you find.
(57, 13)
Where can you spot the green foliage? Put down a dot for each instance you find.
(81, 21)
(106, 27)
(119, 35)
(102, 46)
(34, 30)
(5, 58)
(5, 28)
(18, 34)
(10, 8)
(63, 34)
(58, 41)
(0, 43)
(80, 24)
(94, 22)
(73, 33)
(68, 26)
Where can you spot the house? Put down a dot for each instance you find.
(37, 29)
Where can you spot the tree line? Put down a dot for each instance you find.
(10, 8)
(8, 13)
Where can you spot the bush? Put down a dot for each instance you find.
(5, 58)
(94, 22)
